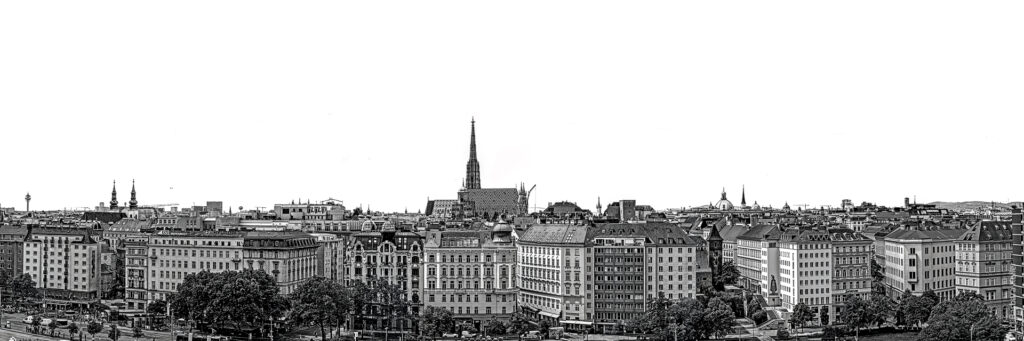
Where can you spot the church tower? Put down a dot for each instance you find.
(715, 249)
(472, 167)
(133, 204)
(113, 197)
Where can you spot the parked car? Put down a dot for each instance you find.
(451, 335)
(532, 335)
(28, 319)
(467, 334)
(46, 322)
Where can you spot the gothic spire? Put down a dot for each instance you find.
(113, 196)
(743, 198)
(473, 166)
(133, 204)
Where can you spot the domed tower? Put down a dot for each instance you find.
(113, 197)
(133, 204)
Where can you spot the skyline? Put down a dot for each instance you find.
(254, 104)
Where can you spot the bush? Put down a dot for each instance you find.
(759, 317)
(782, 334)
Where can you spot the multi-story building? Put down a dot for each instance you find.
(12, 240)
(330, 256)
(618, 291)
(983, 265)
(805, 268)
(471, 272)
(330, 210)
(851, 266)
(175, 254)
(289, 257)
(920, 260)
(757, 257)
(1017, 259)
(65, 264)
(551, 277)
(635, 263)
(384, 252)
(136, 272)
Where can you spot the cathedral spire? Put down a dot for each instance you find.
(113, 196)
(473, 166)
(743, 198)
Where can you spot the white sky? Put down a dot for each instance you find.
(255, 103)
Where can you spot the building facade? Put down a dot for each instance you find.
(805, 268)
(66, 266)
(551, 277)
(472, 273)
(984, 267)
(851, 267)
(921, 260)
(289, 257)
(382, 252)
(174, 255)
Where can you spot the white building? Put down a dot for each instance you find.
(921, 260)
(65, 264)
(551, 276)
(173, 255)
(805, 267)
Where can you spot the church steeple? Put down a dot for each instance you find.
(723, 194)
(113, 196)
(133, 204)
(472, 167)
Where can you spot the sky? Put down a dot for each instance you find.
(666, 102)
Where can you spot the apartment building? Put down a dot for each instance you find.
(472, 272)
(289, 257)
(380, 251)
(673, 262)
(805, 267)
(175, 254)
(757, 257)
(619, 289)
(984, 267)
(551, 277)
(136, 270)
(65, 264)
(851, 266)
(330, 256)
(921, 260)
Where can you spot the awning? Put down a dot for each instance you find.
(585, 323)
(551, 315)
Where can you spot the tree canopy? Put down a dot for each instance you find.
(241, 299)
(435, 321)
(318, 302)
(964, 317)
(687, 319)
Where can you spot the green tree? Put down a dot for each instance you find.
(94, 328)
(436, 321)
(916, 309)
(391, 300)
(194, 297)
(716, 320)
(314, 303)
(857, 314)
(23, 288)
(73, 330)
(494, 328)
(782, 334)
(342, 304)
(801, 315)
(114, 333)
(965, 317)
(876, 271)
(362, 297)
(157, 309)
(36, 322)
(727, 276)
(137, 332)
(519, 324)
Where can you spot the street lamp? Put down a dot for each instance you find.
(972, 330)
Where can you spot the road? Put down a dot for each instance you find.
(17, 326)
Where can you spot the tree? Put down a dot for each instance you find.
(94, 328)
(247, 298)
(727, 276)
(391, 300)
(436, 321)
(782, 334)
(36, 322)
(716, 320)
(545, 327)
(73, 330)
(23, 288)
(137, 332)
(964, 317)
(494, 328)
(314, 303)
(876, 271)
(361, 299)
(916, 309)
(519, 324)
(157, 308)
(114, 333)
(857, 313)
(801, 315)
(931, 296)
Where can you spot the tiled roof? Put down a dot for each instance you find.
(761, 232)
(911, 234)
(555, 234)
(731, 232)
(988, 231)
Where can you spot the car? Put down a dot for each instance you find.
(46, 322)
(28, 319)
(466, 334)
(532, 335)
(449, 335)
